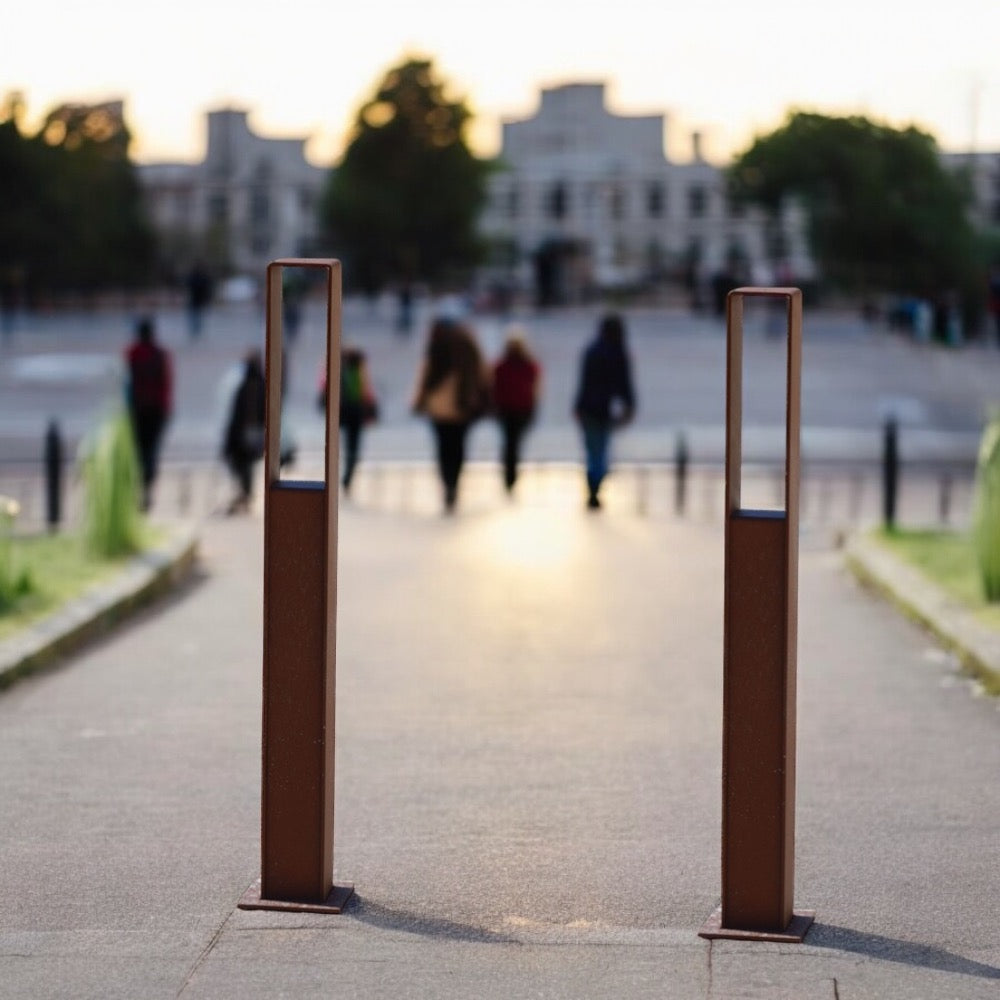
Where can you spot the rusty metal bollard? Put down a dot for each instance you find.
(760, 641)
(300, 609)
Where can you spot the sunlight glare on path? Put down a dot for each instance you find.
(528, 539)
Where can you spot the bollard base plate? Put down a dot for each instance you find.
(334, 903)
(794, 933)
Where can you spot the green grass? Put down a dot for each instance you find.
(61, 568)
(949, 559)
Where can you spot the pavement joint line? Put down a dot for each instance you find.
(976, 646)
(147, 576)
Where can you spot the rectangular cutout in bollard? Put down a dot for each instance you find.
(759, 665)
(300, 609)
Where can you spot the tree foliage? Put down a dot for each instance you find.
(71, 210)
(402, 205)
(883, 212)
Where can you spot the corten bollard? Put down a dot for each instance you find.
(300, 608)
(759, 662)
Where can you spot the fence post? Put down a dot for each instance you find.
(890, 471)
(53, 476)
(760, 639)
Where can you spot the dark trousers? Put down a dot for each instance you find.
(450, 439)
(350, 430)
(513, 427)
(596, 444)
(148, 424)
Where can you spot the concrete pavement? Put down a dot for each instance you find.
(528, 787)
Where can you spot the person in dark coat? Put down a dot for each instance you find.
(150, 400)
(199, 295)
(605, 398)
(243, 439)
(516, 387)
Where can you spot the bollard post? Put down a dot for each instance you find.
(53, 476)
(890, 472)
(680, 474)
(944, 498)
(641, 489)
(300, 608)
(759, 665)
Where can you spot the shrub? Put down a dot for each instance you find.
(112, 489)
(986, 516)
(14, 582)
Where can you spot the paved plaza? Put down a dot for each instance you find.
(528, 783)
(527, 780)
(65, 368)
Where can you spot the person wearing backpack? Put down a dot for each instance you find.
(358, 406)
(150, 400)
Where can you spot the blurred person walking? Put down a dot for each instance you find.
(605, 399)
(452, 391)
(516, 391)
(358, 406)
(243, 436)
(149, 394)
(199, 295)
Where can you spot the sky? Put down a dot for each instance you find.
(301, 68)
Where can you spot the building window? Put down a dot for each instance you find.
(218, 209)
(260, 207)
(513, 206)
(617, 203)
(656, 258)
(697, 201)
(655, 200)
(558, 201)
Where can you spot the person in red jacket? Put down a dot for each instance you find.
(150, 400)
(516, 389)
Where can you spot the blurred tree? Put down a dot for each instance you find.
(883, 212)
(71, 210)
(403, 204)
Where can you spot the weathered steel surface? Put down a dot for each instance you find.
(300, 615)
(759, 667)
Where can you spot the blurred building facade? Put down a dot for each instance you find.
(587, 200)
(982, 170)
(250, 200)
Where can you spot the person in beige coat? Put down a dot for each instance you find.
(452, 391)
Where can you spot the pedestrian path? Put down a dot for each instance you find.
(528, 786)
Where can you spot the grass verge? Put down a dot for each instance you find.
(61, 569)
(949, 560)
